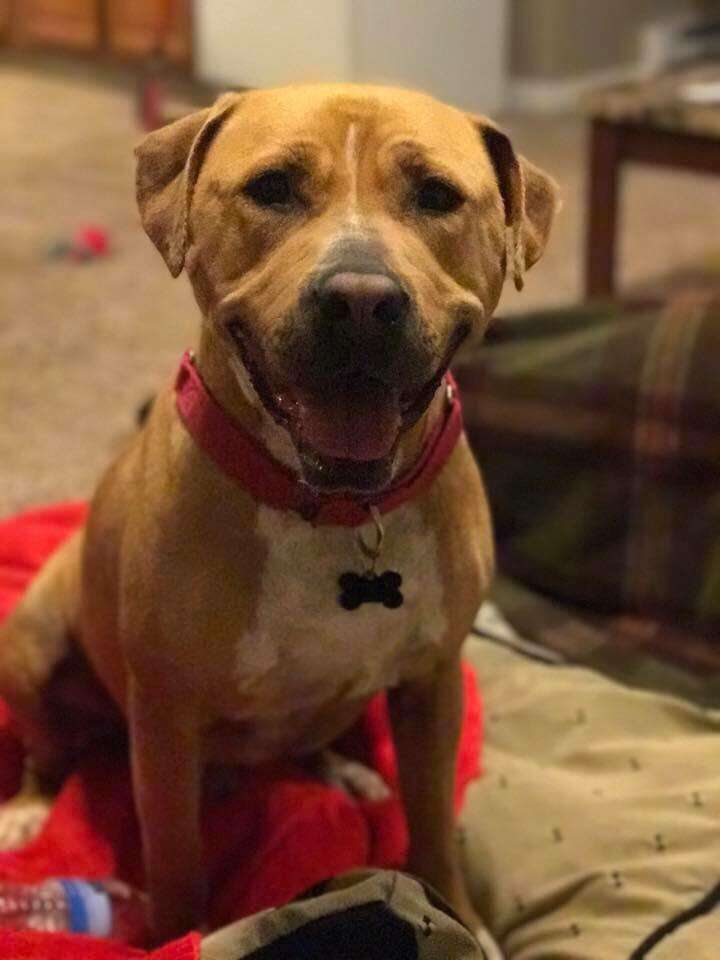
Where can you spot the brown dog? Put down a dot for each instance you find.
(341, 242)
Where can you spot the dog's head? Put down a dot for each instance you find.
(344, 240)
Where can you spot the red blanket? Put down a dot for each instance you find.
(280, 834)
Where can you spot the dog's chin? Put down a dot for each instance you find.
(343, 476)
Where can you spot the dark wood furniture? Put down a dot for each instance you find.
(643, 123)
(127, 29)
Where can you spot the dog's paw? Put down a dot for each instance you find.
(490, 949)
(21, 820)
(352, 777)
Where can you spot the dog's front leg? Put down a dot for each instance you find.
(426, 717)
(167, 776)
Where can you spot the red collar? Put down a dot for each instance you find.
(243, 459)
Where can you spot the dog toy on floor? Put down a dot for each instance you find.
(88, 242)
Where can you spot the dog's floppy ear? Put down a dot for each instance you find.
(168, 163)
(531, 198)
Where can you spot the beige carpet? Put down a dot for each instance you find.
(82, 345)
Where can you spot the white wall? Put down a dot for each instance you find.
(455, 49)
(452, 48)
(260, 43)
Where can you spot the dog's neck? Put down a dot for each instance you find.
(230, 385)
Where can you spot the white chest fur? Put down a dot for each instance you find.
(304, 649)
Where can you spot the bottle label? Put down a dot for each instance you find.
(89, 908)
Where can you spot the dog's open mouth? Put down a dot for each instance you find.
(346, 441)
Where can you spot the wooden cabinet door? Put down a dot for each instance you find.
(128, 28)
(72, 24)
(139, 27)
(5, 19)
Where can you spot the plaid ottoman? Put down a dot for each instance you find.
(598, 432)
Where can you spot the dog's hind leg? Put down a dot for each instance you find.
(34, 640)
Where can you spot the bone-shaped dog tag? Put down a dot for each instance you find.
(371, 587)
(357, 589)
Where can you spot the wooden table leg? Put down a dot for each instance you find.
(605, 160)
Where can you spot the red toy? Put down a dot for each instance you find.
(89, 241)
(92, 239)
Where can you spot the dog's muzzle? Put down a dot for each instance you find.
(359, 348)
(350, 371)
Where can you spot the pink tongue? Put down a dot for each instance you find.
(347, 431)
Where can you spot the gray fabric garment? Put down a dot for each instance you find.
(438, 935)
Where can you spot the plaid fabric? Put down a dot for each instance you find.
(598, 431)
(637, 651)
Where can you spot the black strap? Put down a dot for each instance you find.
(708, 903)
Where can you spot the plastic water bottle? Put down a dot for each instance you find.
(105, 908)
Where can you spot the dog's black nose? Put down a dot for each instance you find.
(367, 302)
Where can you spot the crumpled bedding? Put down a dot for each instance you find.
(595, 831)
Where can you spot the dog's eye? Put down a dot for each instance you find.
(270, 189)
(438, 196)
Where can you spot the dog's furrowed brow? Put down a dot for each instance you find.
(303, 156)
(416, 158)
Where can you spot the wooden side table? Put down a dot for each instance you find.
(642, 123)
